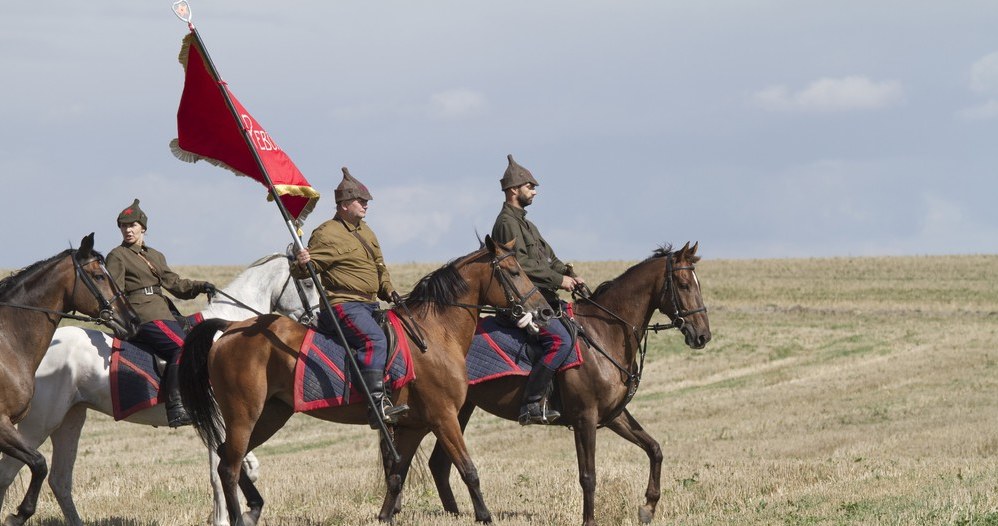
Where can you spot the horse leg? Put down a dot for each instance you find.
(219, 515)
(440, 464)
(13, 445)
(65, 444)
(450, 437)
(251, 466)
(388, 463)
(272, 418)
(230, 455)
(406, 443)
(627, 427)
(585, 451)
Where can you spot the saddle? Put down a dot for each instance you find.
(322, 373)
(135, 375)
(500, 349)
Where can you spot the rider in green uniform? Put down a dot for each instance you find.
(548, 272)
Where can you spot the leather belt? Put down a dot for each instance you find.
(146, 291)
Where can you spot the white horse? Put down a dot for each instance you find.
(74, 376)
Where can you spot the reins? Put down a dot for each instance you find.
(105, 315)
(633, 379)
(238, 303)
(69, 315)
(513, 297)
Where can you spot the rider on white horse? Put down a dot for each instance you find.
(142, 273)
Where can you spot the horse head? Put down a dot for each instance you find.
(99, 297)
(681, 300)
(512, 287)
(298, 298)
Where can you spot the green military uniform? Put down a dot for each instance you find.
(344, 263)
(143, 285)
(533, 253)
(142, 273)
(545, 270)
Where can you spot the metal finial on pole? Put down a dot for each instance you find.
(183, 10)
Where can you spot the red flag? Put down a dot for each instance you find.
(207, 129)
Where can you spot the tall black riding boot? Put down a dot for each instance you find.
(535, 408)
(383, 408)
(176, 415)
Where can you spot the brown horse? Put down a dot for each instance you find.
(245, 380)
(614, 320)
(32, 303)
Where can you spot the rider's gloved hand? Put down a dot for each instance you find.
(396, 299)
(209, 289)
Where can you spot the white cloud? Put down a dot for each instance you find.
(984, 74)
(408, 220)
(984, 80)
(458, 104)
(832, 94)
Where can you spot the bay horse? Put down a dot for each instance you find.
(75, 375)
(614, 320)
(32, 303)
(240, 390)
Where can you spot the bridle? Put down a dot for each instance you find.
(514, 297)
(305, 318)
(676, 316)
(106, 312)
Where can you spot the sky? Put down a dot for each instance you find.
(759, 128)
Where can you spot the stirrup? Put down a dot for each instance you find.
(178, 417)
(537, 413)
(392, 412)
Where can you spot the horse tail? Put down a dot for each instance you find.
(195, 387)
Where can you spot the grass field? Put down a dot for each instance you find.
(835, 391)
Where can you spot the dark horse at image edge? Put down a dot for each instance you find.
(32, 303)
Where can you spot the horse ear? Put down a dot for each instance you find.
(86, 245)
(686, 248)
(490, 244)
(693, 251)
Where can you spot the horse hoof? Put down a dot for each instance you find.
(13, 520)
(645, 514)
(248, 519)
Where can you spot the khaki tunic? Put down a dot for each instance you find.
(347, 269)
(533, 253)
(133, 276)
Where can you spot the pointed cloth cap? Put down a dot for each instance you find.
(351, 188)
(132, 214)
(516, 175)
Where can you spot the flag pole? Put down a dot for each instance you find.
(184, 14)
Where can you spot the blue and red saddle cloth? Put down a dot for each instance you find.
(321, 378)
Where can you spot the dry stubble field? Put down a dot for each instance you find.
(835, 391)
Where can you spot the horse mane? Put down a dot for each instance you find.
(10, 282)
(660, 252)
(441, 287)
(265, 259)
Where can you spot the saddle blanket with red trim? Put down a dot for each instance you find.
(321, 373)
(135, 376)
(499, 350)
